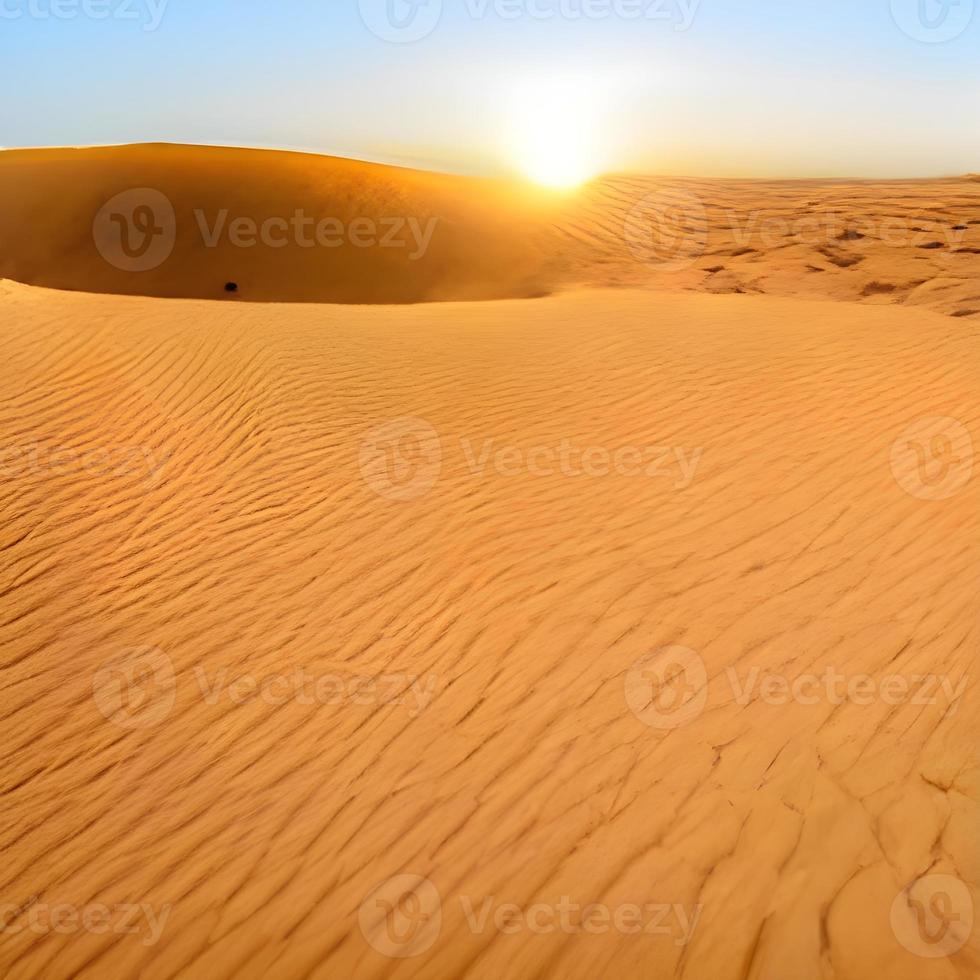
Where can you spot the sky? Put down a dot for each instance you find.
(776, 88)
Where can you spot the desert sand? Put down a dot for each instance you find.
(469, 528)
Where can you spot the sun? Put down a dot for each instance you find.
(554, 139)
(557, 160)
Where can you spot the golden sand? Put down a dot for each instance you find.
(539, 601)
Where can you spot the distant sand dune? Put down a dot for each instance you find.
(272, 519)
(918, 240)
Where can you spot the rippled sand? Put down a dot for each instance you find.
(620, 632)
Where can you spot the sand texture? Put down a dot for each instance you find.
(544, 565)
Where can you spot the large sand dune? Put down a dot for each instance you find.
(390, 235)
(375, 234)
(497, 513)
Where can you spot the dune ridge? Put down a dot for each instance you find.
(914, 242)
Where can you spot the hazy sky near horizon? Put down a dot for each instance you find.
(719, 87)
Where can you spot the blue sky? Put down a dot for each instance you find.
(747, 87)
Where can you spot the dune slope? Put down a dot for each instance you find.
(180, 221)
(469, 528)
(282, 226)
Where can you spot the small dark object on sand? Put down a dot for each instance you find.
(231, 287)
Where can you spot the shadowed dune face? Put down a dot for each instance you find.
(471, 527)
(185, 221)
(182, 221)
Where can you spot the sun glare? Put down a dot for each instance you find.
(554, 141)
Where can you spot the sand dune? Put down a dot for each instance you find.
(472, 525)
(372, 234)
(877, 242)
(375, 234)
